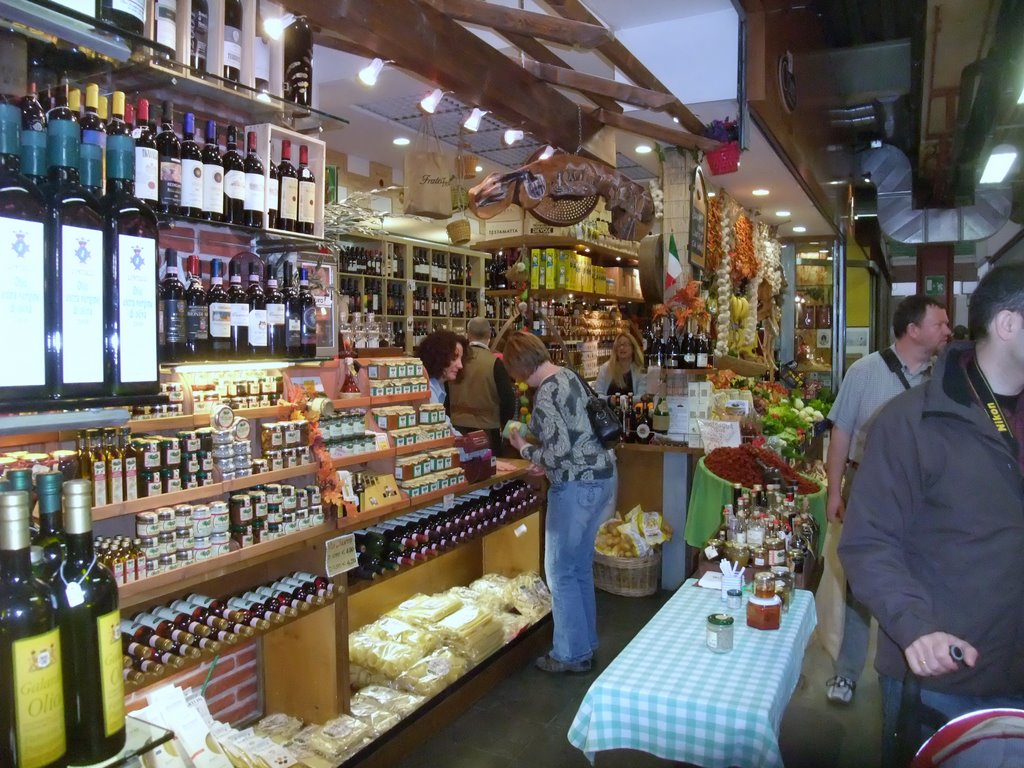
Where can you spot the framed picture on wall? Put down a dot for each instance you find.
(697, 244)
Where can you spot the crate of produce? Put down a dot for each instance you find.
(628, 576)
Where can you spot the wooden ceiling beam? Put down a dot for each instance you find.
(618, 55)
(581, 81)
(580, 34)
(674, 136)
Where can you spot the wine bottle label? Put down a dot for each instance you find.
(170, 181)
(258, 327)
(289, 199)
(702, 359)
(166, 23)
(172, 318)
(87, 7)
(643, 431)
(261, 61)
(135, 8)
(220, 320)
(307, 202)
(255, 192)
(275, 314)
(197, 323)
(273, 187)
(239, 315)
(234, 185)
(192, 184)
(213, 189)
(200, 28)
(115, 482)
(108, 635)
(147, 171)
(131, 488)
(38, 687)
(232, 47)
(137, 311)
(33, 153)
(21, 303)
(83, 299)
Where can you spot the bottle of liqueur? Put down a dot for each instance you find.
(298, 62)
(91, 640)
(129, 15)
(307, 193)
(293, 316)
(169, 150)
(234, 181)
(197, 318)
(288, 181)
(94, 138)
(49, 537)
(147, 159)
(76, 294)
(31, 680)
(257, 313)
(213, 176)
(191, 170)
(255, 187)
(308, 304)
(33, 137)
(239, 301)
(276, 318)
(273, 191)
(23, 261)
(172, 312)
(232, 40)
(131, 273)
(220, 313)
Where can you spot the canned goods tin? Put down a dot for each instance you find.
(147, 524)
(220, 543)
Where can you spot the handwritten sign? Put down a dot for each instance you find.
(341, 554)
(719, 434)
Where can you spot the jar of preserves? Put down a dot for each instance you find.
(713, 550)
(147, 524)
(149, 484)
(783, 585)
(147, 454)
(764, 609)
(719, 635)
(240, 509)
(759, 556)
(776, 550)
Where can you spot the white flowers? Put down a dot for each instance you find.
(658, 196)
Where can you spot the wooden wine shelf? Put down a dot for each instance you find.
(108, 511)
(362, 458)
(425, 445)
(242, 641)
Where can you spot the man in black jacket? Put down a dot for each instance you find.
(934, 532)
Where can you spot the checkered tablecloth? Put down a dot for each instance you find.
(669, 695)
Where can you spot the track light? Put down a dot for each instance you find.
(431, 100)
(369, 74)
(276, 25)
(548, 152)
(473, 121)
(512, 135)
(999, 164)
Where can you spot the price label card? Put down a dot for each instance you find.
(719, 434)
(408, 323)
(380, 441)
(341, 554)
(449, 501)
(410, 284)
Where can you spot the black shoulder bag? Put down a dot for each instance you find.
(895, 365)
(607, 427)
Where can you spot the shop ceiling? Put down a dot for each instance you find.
(561, 71)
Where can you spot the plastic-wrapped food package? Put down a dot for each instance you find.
(390, 628)
(471, 631)
(511, 624)
(301, 745)
(530, 596)
(373, 713)
(340, 737)
(359, 677)
(489, 600)
(433, 673)
(385, 657)
(495, 585)
(278, 727)
(423, 610)
(399, 702)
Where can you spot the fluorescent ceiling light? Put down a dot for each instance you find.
(711, 194)
(548, 152)
(799, 230)
(783, 214)
(473, 121)
(276, 25)
(1020, 99)
(369, 74)
(643, 149)
(431, 100)
(835, 182)
(512, 135)
(999, 164)
(759, 192)
(400, 141)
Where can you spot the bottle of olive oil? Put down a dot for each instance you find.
(49, 537)
(31, 684)
(89, 623)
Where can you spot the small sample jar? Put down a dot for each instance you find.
(719, 633)
(147, 524)
(734, 599)
(220, 517)
(220, 543)
(201, 548)
(166, 521)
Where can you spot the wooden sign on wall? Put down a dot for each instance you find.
(697, 244)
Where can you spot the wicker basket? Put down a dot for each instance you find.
(459, 231)
(750, 368)
(724, 159)
(628, 576)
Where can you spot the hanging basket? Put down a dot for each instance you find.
(459, 231)
(725, 159)
(465, 165)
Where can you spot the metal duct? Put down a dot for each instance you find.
(890, 172)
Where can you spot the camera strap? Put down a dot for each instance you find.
(990, 403)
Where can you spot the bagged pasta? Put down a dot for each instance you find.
(340, 737)
(399, 702)
(370, 711)
(511, 624)
(433, 673)
(360, 677)
(529, 595)
(423, 610)
(390, 628)
(386, 657)
(278, 727)
(489, 598)
(472, 631)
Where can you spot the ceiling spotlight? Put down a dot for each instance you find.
(369, 74)
(478, 168)
(783, 214)
(548, 152)
(473, 121)
(618, 258)
(999, 164)
(799, 230)
(431, 100)
(512, 135)
(675, 119)
(759, 192)
(400, 141)
(276, 25)
(711, 194)
(643, 149)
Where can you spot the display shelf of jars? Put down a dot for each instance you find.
(362, 458)
(355, 401)
(425, 445)
(188, 421)
(410, 397)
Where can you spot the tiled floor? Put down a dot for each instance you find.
(523, 722)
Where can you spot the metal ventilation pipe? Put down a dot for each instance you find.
(889, 169)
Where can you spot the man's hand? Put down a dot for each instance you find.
(835, 508)
(516, 439)
(931, 655)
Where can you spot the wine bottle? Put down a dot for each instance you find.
(192, 189)
(234, 180)
(130, 236)
(213, 176)
(226, 631)
(273, 191)
(702, 350)
(239, 301)
(147, 159)
(253, 602)
(117, 126)
(257, 313)
(199, 32)
(164, 658)
(76, 296)
(288, 181)
(276, 323)
(165, 17)
(197, 318)
(32, 707)
(281, 598)
(33, 137)
(229, 615)
(23, 261)
(219, 313)
(172, 312)
(298, 62)
(143, 635)
(189, 621)
(261, 56)
(293, 316)
(169, 150)
(255, 184)
(129, 15)
(94, 140)
(307, 193)
(91, 640)
(49, 537)
(232, 40)
(308, 304)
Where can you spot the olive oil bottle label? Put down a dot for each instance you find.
(82, 298)
(39, 693)
(137, 308)
(108, 634)
(21, 303)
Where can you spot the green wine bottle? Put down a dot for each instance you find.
(31, 685)
(50, 535)
(90, 626)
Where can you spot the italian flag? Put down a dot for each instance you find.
(673, 266)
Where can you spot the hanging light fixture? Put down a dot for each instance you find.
(276, 25)
(369, 74)
(512, 135)
(472, 122)
(547, 152)
(431, 100)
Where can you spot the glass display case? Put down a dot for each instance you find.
(814, 301)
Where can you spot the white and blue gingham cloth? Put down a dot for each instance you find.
(668, 694)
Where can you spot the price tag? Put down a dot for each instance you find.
(449, 501)
(74, 594)
(410, 284)
(719, 434)
(341, 555)
(408, 323)
(481, 297)
(380, 441)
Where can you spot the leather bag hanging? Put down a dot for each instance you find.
(607, 427)
(428, 176)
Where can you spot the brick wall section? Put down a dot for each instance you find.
(233, 694)
(678, 177)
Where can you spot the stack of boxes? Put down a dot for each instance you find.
(698, 396)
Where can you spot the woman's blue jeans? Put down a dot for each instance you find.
(576, 510)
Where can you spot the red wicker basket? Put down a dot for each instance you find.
(724, 159)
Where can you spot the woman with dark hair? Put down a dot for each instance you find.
(441, 353)
(582, 495)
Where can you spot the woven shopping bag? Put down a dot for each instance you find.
(428, 176)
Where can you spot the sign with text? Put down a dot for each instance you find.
(719, 434)
(341, 555)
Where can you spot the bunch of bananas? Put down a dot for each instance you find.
(739, 308)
